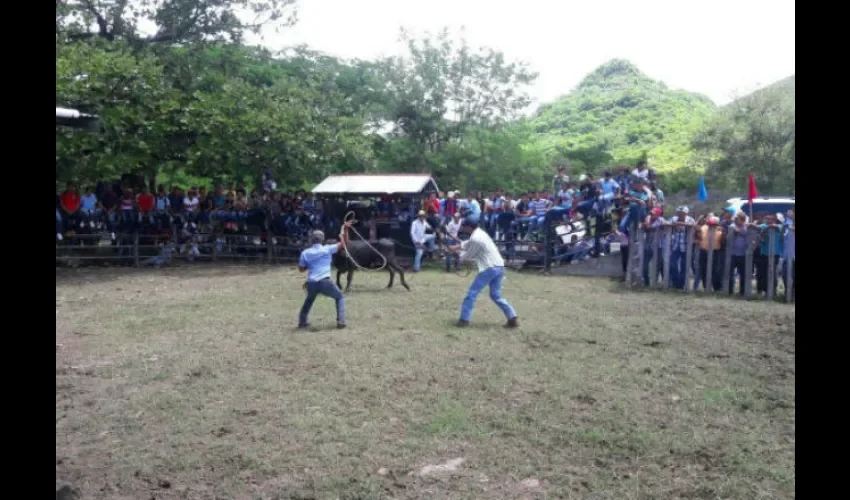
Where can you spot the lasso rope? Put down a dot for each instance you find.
(350, 217)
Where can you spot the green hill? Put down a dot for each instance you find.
(616, 115)
(786, 88)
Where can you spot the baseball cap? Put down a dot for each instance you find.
(421, 213)
(685, 210)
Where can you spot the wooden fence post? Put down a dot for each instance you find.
(632, 246)
(641, 245)
(689, 257)
(136, 248)
(270, 247)
(668, 236)
(789, 279)
(727, 264)
(709, 264)
(771, 262)
(747, 278)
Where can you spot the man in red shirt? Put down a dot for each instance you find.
(146, 203)
(69, 201)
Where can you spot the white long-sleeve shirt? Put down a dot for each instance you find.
(453, 227)
(417, 231)
(481, 249)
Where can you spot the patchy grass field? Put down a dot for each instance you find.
(191, 383)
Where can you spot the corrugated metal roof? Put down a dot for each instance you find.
(375, 184)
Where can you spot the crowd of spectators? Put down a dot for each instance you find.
(616, 200)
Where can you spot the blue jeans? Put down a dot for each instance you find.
(678, 268)
(659, 265)
(452, 258)
(492, 277)
(420, 249)
(635, 213)
(327, 288)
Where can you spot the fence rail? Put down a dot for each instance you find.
(643, 269)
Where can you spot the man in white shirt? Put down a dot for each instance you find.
(641, 172)
(491, 271)
(420, 239)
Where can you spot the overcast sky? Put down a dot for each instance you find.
(716, 47)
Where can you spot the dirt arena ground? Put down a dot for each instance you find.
(191, 383)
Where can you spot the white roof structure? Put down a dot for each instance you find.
(73, 118)
(376, 184)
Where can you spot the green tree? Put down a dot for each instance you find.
(175, 21)
(755, 134)
(443, 102)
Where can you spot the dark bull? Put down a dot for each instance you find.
(367, 258)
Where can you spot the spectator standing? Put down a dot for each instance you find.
(790, 256)
(762, 260)
(560, 180)
(641, 171)
(680, 223)
(703, 243)
(737, 244)
(654, 243)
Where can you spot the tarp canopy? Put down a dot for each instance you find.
(74, 118)
(377, 184)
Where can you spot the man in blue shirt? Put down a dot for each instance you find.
(317, 260)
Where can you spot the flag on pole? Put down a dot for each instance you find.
(752, 193)
(703, 192)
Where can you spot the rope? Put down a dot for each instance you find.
(350, 217)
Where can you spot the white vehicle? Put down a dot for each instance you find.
(763, 205)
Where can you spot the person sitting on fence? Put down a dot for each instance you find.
(624, 180)
(451, 207)
(472, 209)
(146, 203)
(128, 210)
(638, 199)
(191, 205)
(540, 208)
(452, 238)
(420, 239)
(69, 202)
(175, 204)
(681, 222)
(653, 246)
(737, 241)
(162, 205)
(523, 215)
(240, 206)
(494, 205)
(89, 204)
(762, 261)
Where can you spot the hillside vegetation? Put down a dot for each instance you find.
(617, 115)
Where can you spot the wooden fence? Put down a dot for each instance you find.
(641, 239)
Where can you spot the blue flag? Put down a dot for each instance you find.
(703, 193)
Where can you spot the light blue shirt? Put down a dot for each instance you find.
(473, 207)
(609, 186)
(317, 260)
(88, 202)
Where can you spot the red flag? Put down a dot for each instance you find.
(752, 192)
